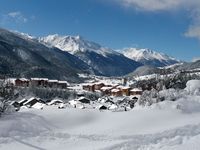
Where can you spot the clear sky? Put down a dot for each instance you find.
(169, 26)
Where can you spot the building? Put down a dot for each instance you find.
(106, 90)
(136, 91)
(116, 92)
(98, 86)
(62, 84)
(52, 83)
(39, 82)
(89, 87)
(22, 82)
(125, 90)
(31, 101)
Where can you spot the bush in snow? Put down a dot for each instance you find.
(145, 99)
(6, 94)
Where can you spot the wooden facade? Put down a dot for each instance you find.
(136, 91)
(22, 82)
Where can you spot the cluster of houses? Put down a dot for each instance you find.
(112, 90)
(37, 82)
(103, 103)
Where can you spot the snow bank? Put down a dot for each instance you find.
(193, 86)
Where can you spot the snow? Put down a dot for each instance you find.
(54, 101)
(113, 107)
(168, 125)
(136, 90)
(161, 126)
(29, 100)
(74, 44)
(38, 105)
(145, 54)
(115, 90)
(53, 81)
(37, 79)
(193, 86)
(106, 88)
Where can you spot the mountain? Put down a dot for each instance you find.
(145, 70)
(149, 57)
(103, 61)
(22, 56)
(189, 66)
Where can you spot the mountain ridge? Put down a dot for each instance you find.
(103, 60)
(149, 57)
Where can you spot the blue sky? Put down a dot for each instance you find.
(168, 26)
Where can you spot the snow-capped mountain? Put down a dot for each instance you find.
(103, 61)
(149, 57)
(74, 44)
(23, 56)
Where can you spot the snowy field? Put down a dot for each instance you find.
(164, 126)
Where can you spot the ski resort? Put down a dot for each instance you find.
(100, 75)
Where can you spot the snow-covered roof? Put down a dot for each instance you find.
(23, 79)
(38, 105)
(23, 100)
(38, 79)
(53, 81)
(115, 90)
(98, 83)
(136, 90)
(55, 101)
(65, 82)
(80, 98)
(123, 87)
(88, 84)
(30, 99)
(106, 88)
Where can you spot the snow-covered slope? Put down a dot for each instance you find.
(103, 61)
(160, 127)
(149, 57)
(74, 44)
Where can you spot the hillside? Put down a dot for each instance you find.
(22, 57)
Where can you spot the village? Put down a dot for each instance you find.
(114, 97)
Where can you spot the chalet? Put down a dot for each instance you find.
(124, 89)
(16, 105)
(136, 91)
(62, 84)
(31, 101)
(39, 82)
(84, 100)
(89, 87)
(22, 82)
(116, 92)
(106, 90)
(102, 107)
(21, 102)
(52, 83)
(98, 86)
(38, 105)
